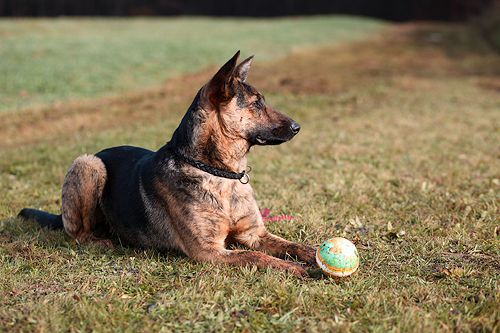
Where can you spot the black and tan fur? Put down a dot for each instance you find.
(154, 200)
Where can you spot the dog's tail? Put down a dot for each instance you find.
(44, 219)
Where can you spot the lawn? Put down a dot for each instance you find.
(47, 61)
(398, 152)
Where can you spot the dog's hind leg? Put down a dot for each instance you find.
(81, 195)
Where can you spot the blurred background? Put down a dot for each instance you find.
(57, 50)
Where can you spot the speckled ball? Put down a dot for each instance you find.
(338, 257)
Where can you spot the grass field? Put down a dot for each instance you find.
(398, 151)
(47, 61)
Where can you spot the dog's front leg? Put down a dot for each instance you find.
(259, 238)
(279, 247)
(252, 232)
(246, 258)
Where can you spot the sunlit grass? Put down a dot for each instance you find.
(45, 61)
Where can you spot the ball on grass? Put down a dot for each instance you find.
(337, 257)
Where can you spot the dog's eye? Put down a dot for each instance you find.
(258, 104)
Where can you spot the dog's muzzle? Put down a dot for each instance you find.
(276, 135)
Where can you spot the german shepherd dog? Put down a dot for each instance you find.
(192, 195)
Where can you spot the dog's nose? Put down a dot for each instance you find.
(295, 127)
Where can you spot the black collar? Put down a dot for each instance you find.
(243, 176)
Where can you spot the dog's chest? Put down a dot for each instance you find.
(233, 199)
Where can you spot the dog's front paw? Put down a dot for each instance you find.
(308, 255)
(297, 270)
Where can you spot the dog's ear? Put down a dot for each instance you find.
(243, 69)
(220, 88)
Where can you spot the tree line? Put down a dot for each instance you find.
(396, 10)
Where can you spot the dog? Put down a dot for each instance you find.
(193, 194)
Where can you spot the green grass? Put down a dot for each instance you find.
(45, 61)
(398, 151)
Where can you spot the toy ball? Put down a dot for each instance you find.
(337, 257)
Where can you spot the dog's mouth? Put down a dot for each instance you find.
(259, 140)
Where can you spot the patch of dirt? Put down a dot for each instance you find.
(410, 54)
(492, 83)
(406, 55)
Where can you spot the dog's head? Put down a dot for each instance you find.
(241, 111)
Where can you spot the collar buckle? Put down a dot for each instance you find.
(246, 178)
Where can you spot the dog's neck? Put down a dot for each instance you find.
(200, 138)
